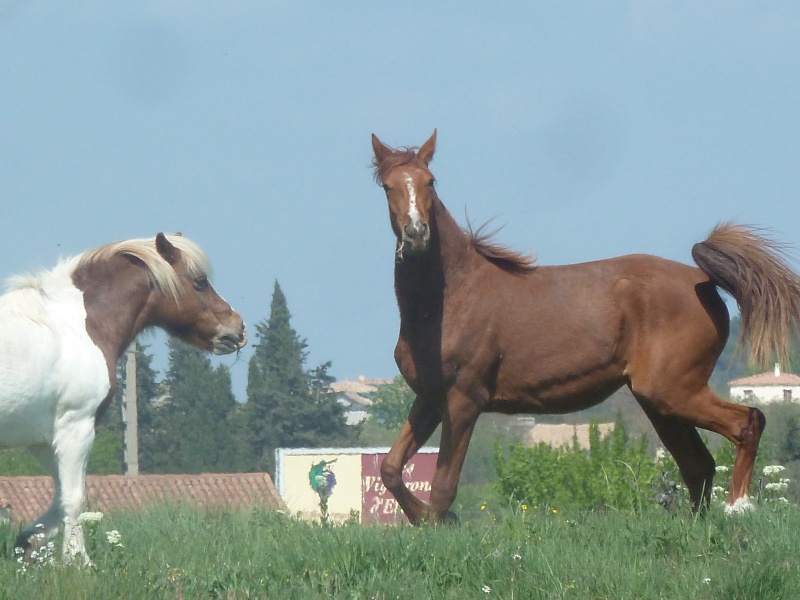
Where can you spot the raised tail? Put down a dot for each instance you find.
(755, 271)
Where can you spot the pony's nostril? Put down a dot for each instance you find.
(411, 230)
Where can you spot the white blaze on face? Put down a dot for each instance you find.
(413, 213)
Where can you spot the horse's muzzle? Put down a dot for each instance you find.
(416, 236)
(230, 341)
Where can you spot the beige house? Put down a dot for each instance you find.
(772, 386)
(355, 396)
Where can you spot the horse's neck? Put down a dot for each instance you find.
(420, 281)
(115, 296)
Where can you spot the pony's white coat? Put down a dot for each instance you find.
(52, 381)
(53, 377)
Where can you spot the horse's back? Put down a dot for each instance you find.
(564, 336)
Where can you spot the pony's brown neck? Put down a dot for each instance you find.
(420, 279)
(115, 295)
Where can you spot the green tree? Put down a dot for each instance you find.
(149, 392)
(391, 403)
(190, 428)
(286, 405)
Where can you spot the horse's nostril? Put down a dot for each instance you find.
(416, 230)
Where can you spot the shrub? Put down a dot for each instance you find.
(613, 472)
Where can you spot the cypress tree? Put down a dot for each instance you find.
(286, 405)
(189, 430)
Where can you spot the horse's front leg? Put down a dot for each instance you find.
(73, 442)
(423, 419)
(458, 422)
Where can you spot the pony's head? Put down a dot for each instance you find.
(178, 299)
(190, 308)
(409, 187)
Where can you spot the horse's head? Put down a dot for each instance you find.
(195, 313)
(409, 187)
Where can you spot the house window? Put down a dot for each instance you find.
(787, 395)
(748, 395)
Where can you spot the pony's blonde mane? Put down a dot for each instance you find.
(162, 275)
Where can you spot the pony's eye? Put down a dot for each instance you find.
(432, 183)
(385, 188)
(200, 283)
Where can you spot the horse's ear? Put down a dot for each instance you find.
(380, 149)
(165, 248)
(427, 149)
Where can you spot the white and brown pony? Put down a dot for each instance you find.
(61, 334)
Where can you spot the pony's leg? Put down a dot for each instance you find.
(742, 425)
(457, 426)
(423, 419)
(46, 527)
(694, 461)
(73, 443)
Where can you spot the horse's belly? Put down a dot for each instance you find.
(559, 391)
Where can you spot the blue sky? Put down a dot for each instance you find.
(589, 129)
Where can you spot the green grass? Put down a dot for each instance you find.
(177, 552)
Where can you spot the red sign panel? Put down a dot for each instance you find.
(377, 503)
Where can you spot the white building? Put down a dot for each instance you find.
(772, 386)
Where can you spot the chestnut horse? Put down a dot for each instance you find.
(61, 334)
(482, 329)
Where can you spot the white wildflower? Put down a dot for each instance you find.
(486, 589)
(114, 537)
(773, 470)
(722, 469)
(707, 580)
(517, 557)
(777, 487)
(90, 517)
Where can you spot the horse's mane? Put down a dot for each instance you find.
(397, 158)
(505, 258)
(162, 275)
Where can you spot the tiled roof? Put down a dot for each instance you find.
(25, 498)
(769, 378)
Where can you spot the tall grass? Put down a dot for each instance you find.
(180, 552)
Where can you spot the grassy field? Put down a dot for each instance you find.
(178, 552)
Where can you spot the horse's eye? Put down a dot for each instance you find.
(200, 283)
(432, 183)
(385, 188)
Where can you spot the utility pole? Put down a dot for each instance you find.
(130, 416)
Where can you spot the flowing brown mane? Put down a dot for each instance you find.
(505, 258)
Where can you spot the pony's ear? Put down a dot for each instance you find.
(380, 149)
(427, 149)
(165, 248)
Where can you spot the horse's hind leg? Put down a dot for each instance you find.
(742, 425)
(694, 461)
(423, 419)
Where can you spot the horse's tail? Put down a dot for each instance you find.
(755, 271)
